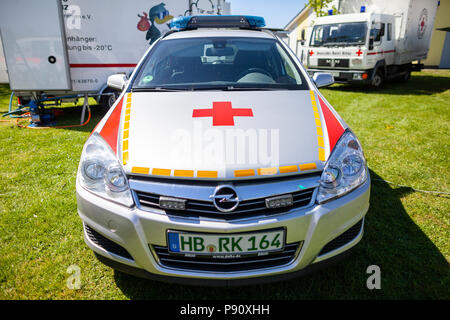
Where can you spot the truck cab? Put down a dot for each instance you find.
(357, 47)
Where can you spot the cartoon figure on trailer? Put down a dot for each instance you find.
(155, 22)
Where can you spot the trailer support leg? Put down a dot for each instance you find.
(85, 105)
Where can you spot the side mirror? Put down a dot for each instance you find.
(323, 79)
(117, 81)
(371, 43)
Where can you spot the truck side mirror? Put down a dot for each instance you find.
(323, 79)
(117, 81)
(371, 43)
(382, 29)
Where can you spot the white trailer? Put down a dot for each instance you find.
(372, 41)
(67, 48)
(3, 72)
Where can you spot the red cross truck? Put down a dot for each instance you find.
(221, 163)
(372, 42)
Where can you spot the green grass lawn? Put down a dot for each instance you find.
(404, 130)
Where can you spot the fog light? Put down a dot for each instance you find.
(357, 76)
(280, 201)
(172, 203)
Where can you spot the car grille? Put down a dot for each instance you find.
(341, 63)
(106, 244)
(324, 62)
(246, 208)
(337, 63)
(199, 263)
(343, 239)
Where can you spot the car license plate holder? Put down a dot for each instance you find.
(335, 74)
(223, 245)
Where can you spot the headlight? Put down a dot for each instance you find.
(100, 172)
(345, 169)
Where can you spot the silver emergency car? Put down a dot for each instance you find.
(221, 163)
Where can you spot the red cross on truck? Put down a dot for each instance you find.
(372, 43)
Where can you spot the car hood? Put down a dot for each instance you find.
(222, 135)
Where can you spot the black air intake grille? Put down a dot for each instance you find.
(343, 239)
(200, 263)
(337, 63)
(246, 208)
(106, 244)
(341, 63)
(324, 62)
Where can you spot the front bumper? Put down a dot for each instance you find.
(345, 76)
(137, 231)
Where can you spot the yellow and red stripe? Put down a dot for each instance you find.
(214, 174)
(126, 130)
(110, 129)
(319, 127)
(334, 126)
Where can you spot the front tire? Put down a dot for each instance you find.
(108, 100)
(377, 80)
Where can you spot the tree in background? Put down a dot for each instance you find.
(320, 7)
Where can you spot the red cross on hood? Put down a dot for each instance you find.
(222, 113)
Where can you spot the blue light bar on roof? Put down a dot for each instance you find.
(179, 22)
(217, 21)
(255, 21)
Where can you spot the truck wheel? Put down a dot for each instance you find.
(108, 100)
(377, 80)
(404, 78)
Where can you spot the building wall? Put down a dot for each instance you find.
(304, 25)
(438, 37)
(305, 21)
(295, 33)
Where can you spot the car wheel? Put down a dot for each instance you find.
(377, 80)
(107, 100)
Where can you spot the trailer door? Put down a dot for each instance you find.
(34, 44)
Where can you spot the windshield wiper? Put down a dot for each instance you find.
(232, 88)
(160, 89)
(212, 88)
(356, 43)
(340, 44)
(333, 44)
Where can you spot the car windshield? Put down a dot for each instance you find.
(224, 63)
(339, 34)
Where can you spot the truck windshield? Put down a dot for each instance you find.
(219, 63)
(339, 34)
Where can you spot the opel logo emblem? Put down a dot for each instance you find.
(225, 198)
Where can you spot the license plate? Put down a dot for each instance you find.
(335, 74)
(225, 244)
